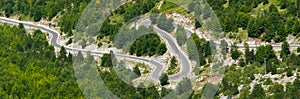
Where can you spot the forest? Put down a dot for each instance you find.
(67, 11)
(268, 20)
(30, 68)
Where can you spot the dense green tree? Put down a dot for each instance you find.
(173, 63)
(244, 93)
(254, 29)
(30, 68)
(235, 53)
(164, 91)
(265, 52)
(257, 92)
(242, 62)
(149, 44)
(106, 60)
(161, 49)
(285, 50)
(63, 53)
(271, 67)
(243, 20)
(224, 47)
(137, 71)
(249, 55)
(208, 49)
(164, 79)
(278, 91)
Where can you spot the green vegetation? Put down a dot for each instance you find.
(181, 36)
(198, 49)
(29, 67)
(235, 53)
(70, 11)
(126, 13)
(269, 21)
(173, 66)
(165, 23)
(164, 79)
(148, 45)
(141, 42)
(243, 74)
(258, 92)
(137, 71)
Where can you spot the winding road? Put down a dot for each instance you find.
(157, 67)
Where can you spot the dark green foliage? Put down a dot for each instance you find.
(271, 67)
(128, 12)
(164, 79)
(30, 69)
(161, 49)
(292, 90)
(198, 49)
(208, 49)
(228, 87)
(269, 24)
(173, 63)
(294, 60)
(278, 91)
(244, 93)
(289, 72)
(137, 71)
(164, 91)
(106, 60)
(285, 50)
(249, 55)
(69, 41)
(47, 9)
(242, 63)
(235, 53)
(149, 44)
(197, 24)
(255, 29)
(122, 90)
(298, 49)
(62, 54)
(224, 48)
(243, 20)
(265, 52)
(257, 92)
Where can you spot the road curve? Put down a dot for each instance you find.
(185, 65)
(157, 67)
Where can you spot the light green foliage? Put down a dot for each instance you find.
(181, 36)
(165, 23)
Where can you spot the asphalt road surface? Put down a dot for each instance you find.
(155, 74)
